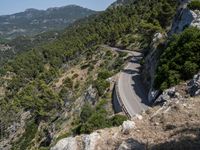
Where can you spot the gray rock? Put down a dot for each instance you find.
(127, 126)
(152, 95)
(84, 142)
(91, 95)
(184, 18)
(131, 144)
(171, 92)
(66, 144)
(193, 87)
(157, 37)
(90, 141)
(167, 95)
(196, 21)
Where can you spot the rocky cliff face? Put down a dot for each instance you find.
(150, 64)
(183, 18)
(194, 85)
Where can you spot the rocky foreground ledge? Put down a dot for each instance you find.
(172, 124)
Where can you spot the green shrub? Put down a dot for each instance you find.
(101, 86)
(189, 69)
(93, 118)
(117, 120)
(97, 121)
(68, 83)
(122, 54)
(118, 64)
(194, 5)
(91, 67)
(86, 112)
(39, 98)
(75, 76)
(25, 141)
(104, 74)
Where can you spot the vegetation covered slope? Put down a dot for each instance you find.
(27, 79)
(34, 21)
(179, 60)
(21, 44)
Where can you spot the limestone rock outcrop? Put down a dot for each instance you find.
(91, 95)
(66, 144)
(184, 18)
(168, 94)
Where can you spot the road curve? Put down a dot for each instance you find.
(131, 92)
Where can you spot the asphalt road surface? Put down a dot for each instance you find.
(130, 88)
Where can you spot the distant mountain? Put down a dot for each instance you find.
(33, 21)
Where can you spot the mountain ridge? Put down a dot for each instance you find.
(33, 21)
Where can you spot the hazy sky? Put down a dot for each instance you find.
(13, 6)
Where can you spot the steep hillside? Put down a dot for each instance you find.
(34, 21)
(10, 48)
(64, 87)
(39, 82)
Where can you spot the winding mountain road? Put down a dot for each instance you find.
(131, 92)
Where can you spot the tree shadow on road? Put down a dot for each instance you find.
(140, 89)
(138, 86)
(130, 71)
(136, 59)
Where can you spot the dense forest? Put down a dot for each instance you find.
(180, 60)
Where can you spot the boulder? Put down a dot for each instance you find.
(127, 126)
(91, 95)
(139, 117)
(193, 86)
(196, 16)
(66, 144)
(91, 141)
(157, 37)
(152, 95)
(167, 95)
